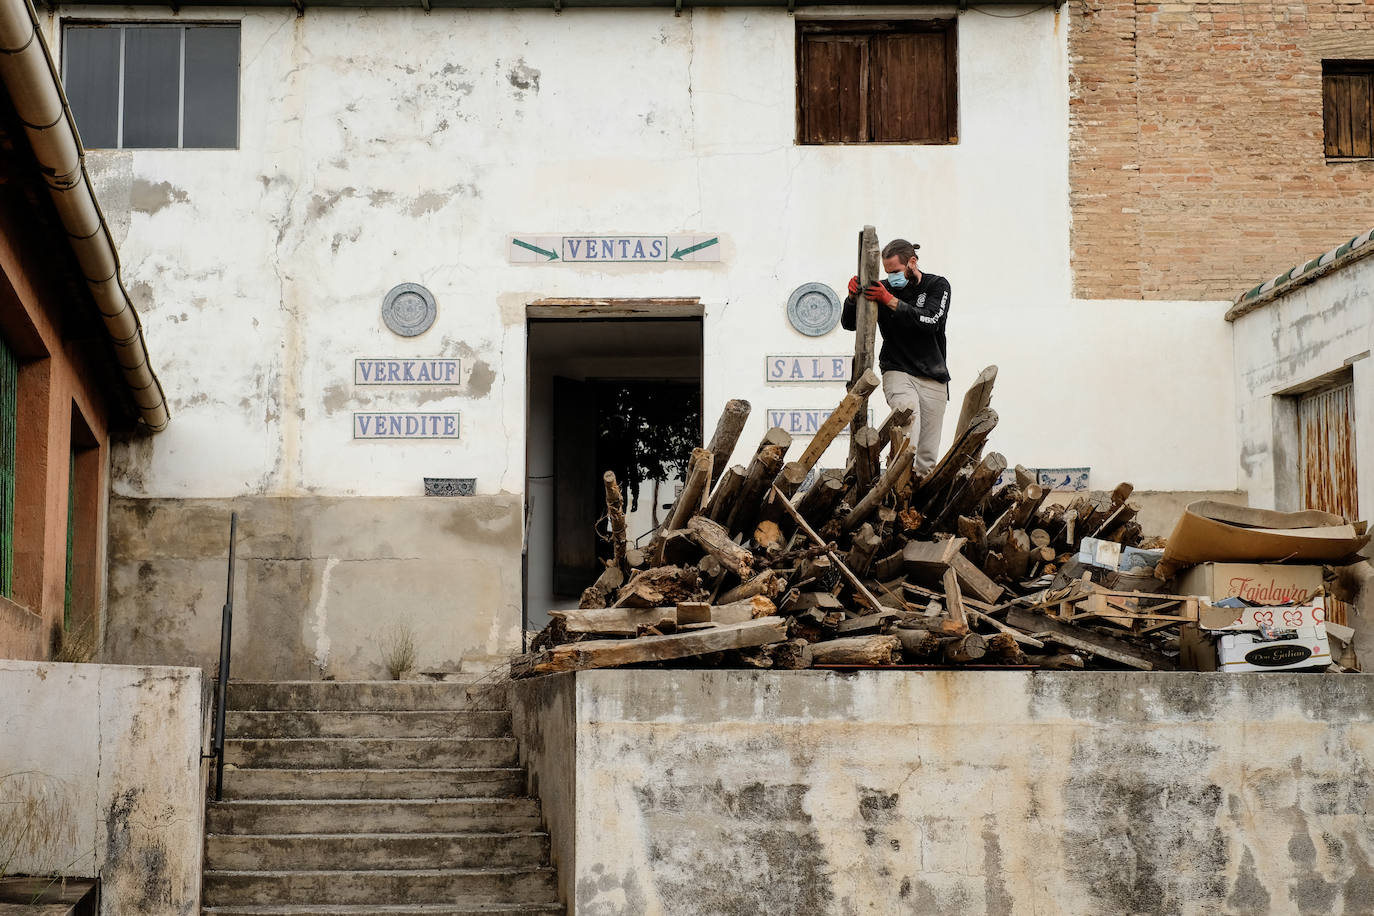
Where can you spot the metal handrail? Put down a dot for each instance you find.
(226, 635)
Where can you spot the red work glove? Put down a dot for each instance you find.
(878, 293)
(853, 286)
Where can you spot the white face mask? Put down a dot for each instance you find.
(897, 279)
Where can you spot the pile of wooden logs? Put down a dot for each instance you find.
(865, 565)
(778, 563)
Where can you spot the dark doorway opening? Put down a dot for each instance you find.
(604, 394)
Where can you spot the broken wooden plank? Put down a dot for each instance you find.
(1085, 640)
(610, 653)
(977, 398)
(864, 384)
(865, 310)
(757, 481)
(615, 514)
(1021, 638)
(598, 594)
(722, 499)
(954, 601)
(929, 559)
(878, 493)
(845, 571)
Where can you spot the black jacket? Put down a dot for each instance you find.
(913, 333)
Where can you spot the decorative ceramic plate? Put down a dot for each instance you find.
(813, 309)
(409, 309)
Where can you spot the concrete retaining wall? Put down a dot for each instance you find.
(321, 586)
(733, 792)
(100, 776)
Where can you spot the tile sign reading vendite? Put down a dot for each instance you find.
(385, 424)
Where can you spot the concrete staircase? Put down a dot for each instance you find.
(397, 798)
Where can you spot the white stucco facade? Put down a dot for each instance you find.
(385, 146)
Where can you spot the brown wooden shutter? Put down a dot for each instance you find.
(911, 101)
(833, 88)
(1347, 114)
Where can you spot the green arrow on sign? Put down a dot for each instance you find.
(537, 250)
(679, 252)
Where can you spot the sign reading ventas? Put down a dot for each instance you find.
(613, 249)
(406, 371)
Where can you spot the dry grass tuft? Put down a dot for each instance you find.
(398, 649)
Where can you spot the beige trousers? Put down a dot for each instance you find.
(927, 399)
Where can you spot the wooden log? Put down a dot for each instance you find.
(1099, 507)
(694, 490)
(845, 571)
(864, 549)
(866, 311)
(806, 601)
(1016, 552)
(1059, 661)
(792, 655)
(920, 643)
(960, 650)
(980, 484)
(976, 399)
(975, 533)
(866, 451)
(678, 549)
(768, 538)
(940, 626)
(726, 436)
(999, 501)
(818, 503)
(715, 540)
(1090, 641)
(609, 653)
(1117, 520)
(1024, 476)
(1122, 492)
(814, 569)
(617, 621)
(864, 384)
(934, 484)
(711, 568)
(768, 583)
(868, 623)
(740, 611)
(1021, 638)
(723, 497)
(636, 557)
(879, 492)
(615, 514)
(929, 559)
(954, 599)
(659, 586)
(598, 594)
(790, 478)
(689, 612)
(757, 482)
(857, 650)
(888, 567)
(1004, 648)
(1039, 537)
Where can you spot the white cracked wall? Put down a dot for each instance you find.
(382, 146)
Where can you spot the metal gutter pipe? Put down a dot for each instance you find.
(26, 68)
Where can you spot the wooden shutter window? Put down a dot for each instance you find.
(1348, 111)
(884, 82)
(834, 89)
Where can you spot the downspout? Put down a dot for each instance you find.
(27, 70)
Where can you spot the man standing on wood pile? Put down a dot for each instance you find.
(912, 308)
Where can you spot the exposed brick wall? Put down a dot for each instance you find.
(1197, 166)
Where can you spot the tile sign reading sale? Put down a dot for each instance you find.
(807, 368)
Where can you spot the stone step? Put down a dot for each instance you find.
(417, 886)
(391, 753)
(365, 695)
(382, 783)
(373, 816)
(362, 851)
(464, 723)
(398, 909)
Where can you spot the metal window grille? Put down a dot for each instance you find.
(9, 411)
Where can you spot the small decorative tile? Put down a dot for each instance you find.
(450, 486)
(1072, 479)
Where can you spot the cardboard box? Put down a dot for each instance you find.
(1246, 651)
(1232, 639)
(1258, 583)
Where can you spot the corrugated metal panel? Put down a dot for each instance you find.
(9, 411)
(1326, 423)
